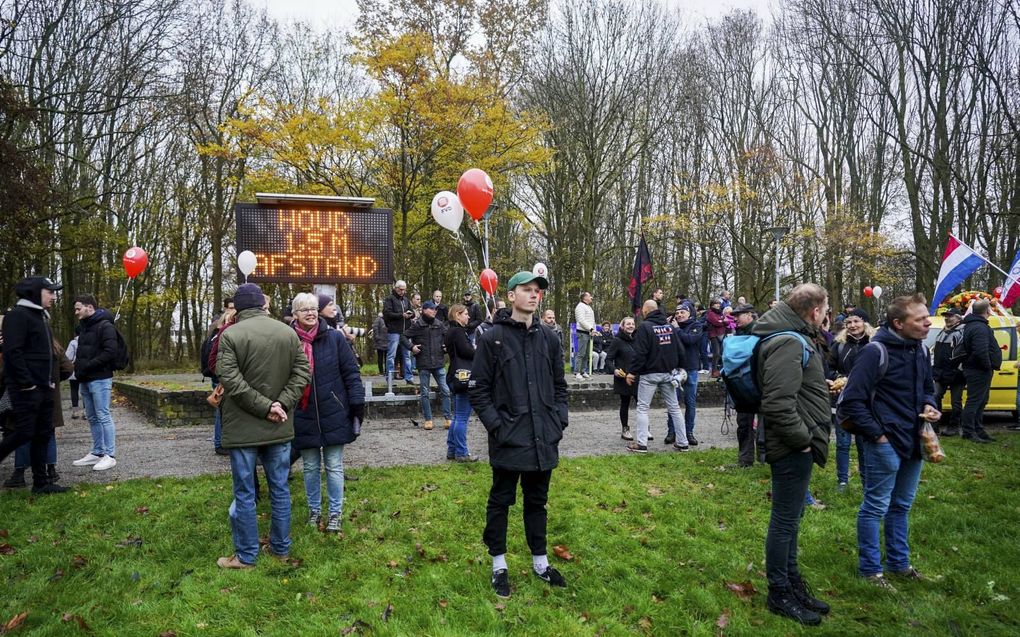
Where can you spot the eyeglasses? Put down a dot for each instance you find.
(307, 309)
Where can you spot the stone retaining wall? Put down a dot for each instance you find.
(187, 407)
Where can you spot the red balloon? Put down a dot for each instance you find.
(135, 261)
(488, 281)
(475, 191)
(868, 291)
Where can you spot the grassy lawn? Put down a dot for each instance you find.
(656, 540)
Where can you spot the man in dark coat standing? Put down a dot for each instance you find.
(983, 358)
(518, 390)
(28, 360)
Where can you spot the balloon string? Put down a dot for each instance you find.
(472, 267)
(122, 297)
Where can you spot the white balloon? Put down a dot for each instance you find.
(246, 262)
(447, 210)
(540, 269)
(877, 291)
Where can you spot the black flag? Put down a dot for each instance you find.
(642, 273)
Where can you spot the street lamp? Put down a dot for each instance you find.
(778, 232)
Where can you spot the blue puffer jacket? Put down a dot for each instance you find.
(336, 385)
(900, 396)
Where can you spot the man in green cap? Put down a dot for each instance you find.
(518, 390)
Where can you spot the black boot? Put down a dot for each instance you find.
(51, 473)
(804, 595)
(44, 486)
(16, 480)
(669, 439)
(782, 601)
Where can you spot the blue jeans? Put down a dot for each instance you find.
(888, 494)
(244, 525)
(843, 440)
(217, 432)
(96, 396)
(456, 437)
(689, 391)
(333, 458)
(21, 455)
(426, 399)
(391, 356)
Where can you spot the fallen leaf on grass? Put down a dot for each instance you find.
(79, 561)
(724, 620)
(130, 540)
(500, 607)
(14, 622)
(32, 539)
(168, 633)
(355, 627)
(392, 564)
(3, 532)
(657, 599)
(395, 514)
(584, 617)
(419, 549)
(387, 612)
(654, 491)
(78, 619)
(57, 574)
(7, 549)
(743, 590)
(427, 488)
(645, 623)
(142, 510)
(562, 552)
(443, 603)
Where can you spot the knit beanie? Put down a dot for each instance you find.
(324, 300)
(248, 296)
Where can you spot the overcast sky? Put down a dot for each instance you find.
(338, 13)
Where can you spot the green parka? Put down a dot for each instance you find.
(795, 408)
(260, 361)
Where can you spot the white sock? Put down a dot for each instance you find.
(540, 563)
(498, 562)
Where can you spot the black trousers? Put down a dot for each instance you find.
(790, 478)
(979, 382)
(535, 489)
(625, 401)
(745, 439)
(380, 355)
(73, 384)
(32, 417)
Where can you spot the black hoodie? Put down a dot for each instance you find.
(97, 348)
(979, 342)
(657, 348)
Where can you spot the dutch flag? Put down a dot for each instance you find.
(958, 262)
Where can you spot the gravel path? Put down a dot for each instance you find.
(144, 450)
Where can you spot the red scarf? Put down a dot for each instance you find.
(306, 338)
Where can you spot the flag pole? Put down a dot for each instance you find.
(979, 255)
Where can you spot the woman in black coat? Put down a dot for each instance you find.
(329, 408)
(462, 355)
(621, 352)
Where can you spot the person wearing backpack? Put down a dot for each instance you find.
(949, 353)
(94, 364)
(888, 395)
(983, 358)
(796, 416)
(857, 332)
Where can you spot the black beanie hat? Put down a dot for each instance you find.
(861, 314)
(248, 296)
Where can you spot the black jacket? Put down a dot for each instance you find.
(944, 370)
(462, 355)
(326, 420)
(656, 347)
(979, 342)
(621, 351)
(475, 316)
(518, 390)
(843, 354)
(690, 332)
(430, 335)
(97, 348)
(393, 313)
(442, 313)
(28, 347)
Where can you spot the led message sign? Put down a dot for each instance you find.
(305, 243)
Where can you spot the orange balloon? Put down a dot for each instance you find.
(135, 262)
(489, 281)
(475, 191)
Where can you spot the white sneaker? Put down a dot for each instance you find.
(106, 462)
(89, 460)
(586, 376)
(578, 377)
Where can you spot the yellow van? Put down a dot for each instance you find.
(1004, 383)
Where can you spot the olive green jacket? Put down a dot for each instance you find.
(795, 407)
(260, 361)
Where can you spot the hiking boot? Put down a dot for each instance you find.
(268, 550)
(984, 437)
(669, 439)
(783, 602)
(220, 451)
(450, 456)
(879, 581)
(626, 435)
(677, 447)
(17, 479)
(910, 573)
(233, 563)
(501, 583)
(551, 577)
(467, 458)
(428, 425)
(449, 423)
(313, 518)
(637, 448)
(806, 598)
(691, 440)
(978, 440)
(51, 473)
(77, 413)
(333, 524)
(48, 487)
(949, 432)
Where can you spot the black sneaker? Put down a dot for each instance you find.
(691, 440)
(980, 441)
(806, 598)
(17, 480)
(984, 437)
(669, 439)
(949, 432)
(783, 602)
(501, 583)
(551, 577)
(650, 437)
(677, 447)
(637, 448)
(49, 487)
